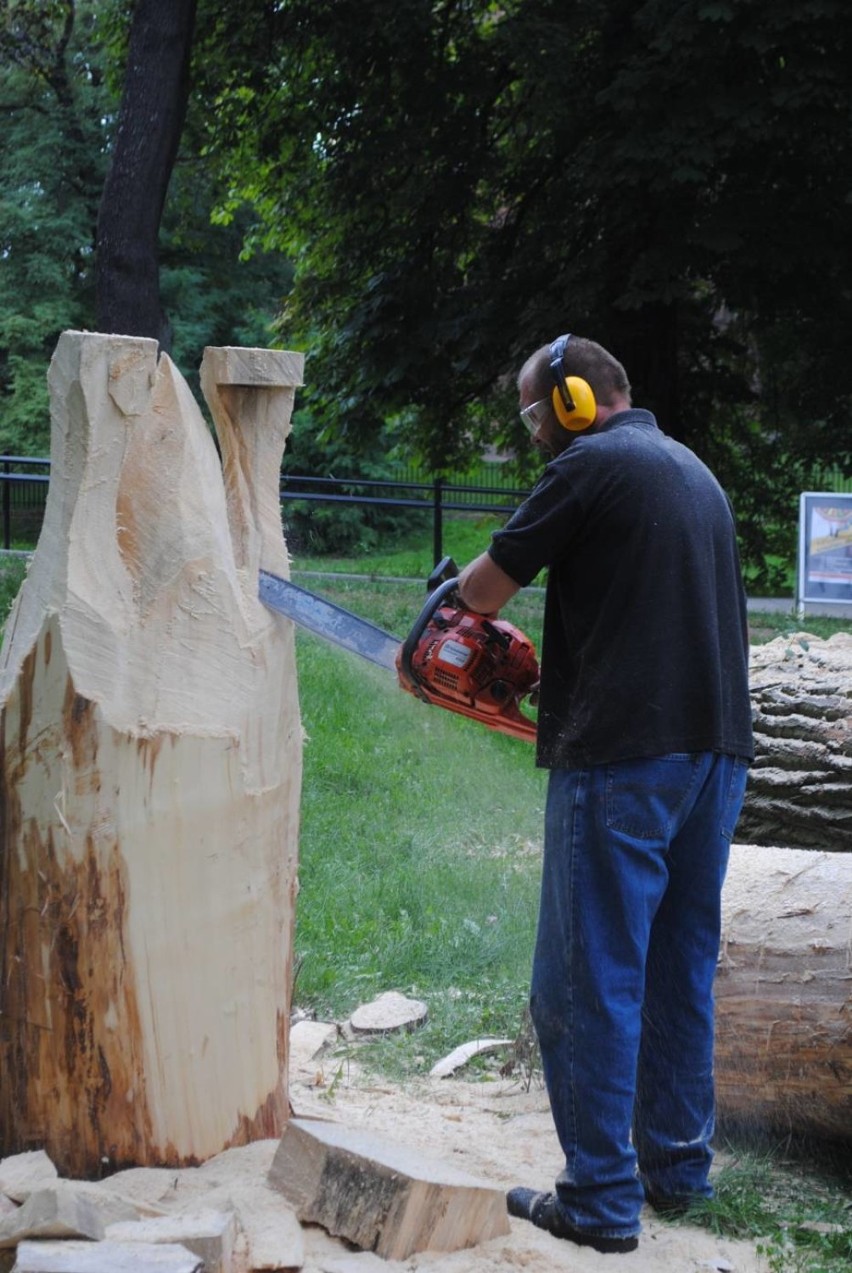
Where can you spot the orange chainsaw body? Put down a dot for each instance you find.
(469, 664)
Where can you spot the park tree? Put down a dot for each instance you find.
(457, 181)
(61, 82)
(148, 134)
(459, 177)
(460, 181)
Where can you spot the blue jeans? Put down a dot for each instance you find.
(635, 855)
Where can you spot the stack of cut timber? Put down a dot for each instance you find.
(800, 788)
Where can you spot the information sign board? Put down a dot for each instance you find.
(825, 548)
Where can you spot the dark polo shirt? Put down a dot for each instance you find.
(645, 648)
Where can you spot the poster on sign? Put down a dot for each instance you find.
(825, 548)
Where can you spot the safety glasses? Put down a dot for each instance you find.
(535, 414)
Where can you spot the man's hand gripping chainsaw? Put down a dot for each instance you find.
(467, 663)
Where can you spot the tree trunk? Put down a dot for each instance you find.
(150, 123)
(783, 1006)
(150, 753)
(800, 787)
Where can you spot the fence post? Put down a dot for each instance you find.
(437, 520)
(7, 505)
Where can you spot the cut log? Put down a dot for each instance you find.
(800, 787)
(307, 1040)
(784, 993)
(150, 760)
(105, 1257)
(22, 1174)
(388, 1012)
(62, 1213)
(381, 1196)
(270, 1234)
(211, 1235)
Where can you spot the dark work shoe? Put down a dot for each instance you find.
(671, 1207)
(543, 1210)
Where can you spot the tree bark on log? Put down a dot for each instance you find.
(784, 993)
(800, 787)
(150, 759)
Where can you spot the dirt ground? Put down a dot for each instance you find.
(496, 1130)
(499, 1131)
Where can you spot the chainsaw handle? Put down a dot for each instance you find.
(445, 569)
(409, 645)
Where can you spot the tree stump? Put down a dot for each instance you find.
(800, 787)
(150, 753)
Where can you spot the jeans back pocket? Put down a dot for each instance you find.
(645, 798)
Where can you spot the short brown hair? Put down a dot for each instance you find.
(582, 357)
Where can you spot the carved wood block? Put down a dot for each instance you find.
(150, 764)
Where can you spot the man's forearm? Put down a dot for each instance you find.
(484, 587)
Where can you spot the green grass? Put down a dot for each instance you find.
(797, 1208)
(417, 872)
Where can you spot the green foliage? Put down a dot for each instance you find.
(51, 157)
(60, 79)
(734, 162)
(454, 183)
(408, 554)
(459, 182)
(338, 529)
(765, 485)
(381, 199)
(212, 296)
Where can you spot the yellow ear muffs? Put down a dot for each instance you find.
(573, 399)
(583, 406)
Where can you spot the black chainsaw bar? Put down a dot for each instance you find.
(327, 620)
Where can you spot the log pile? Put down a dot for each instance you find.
(784, 984)
(800, 787)
(241, 1211)
(784, 993)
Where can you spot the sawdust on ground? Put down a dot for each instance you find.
(500, 1131)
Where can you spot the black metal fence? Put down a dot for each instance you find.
(24, 482)
(23, 492)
